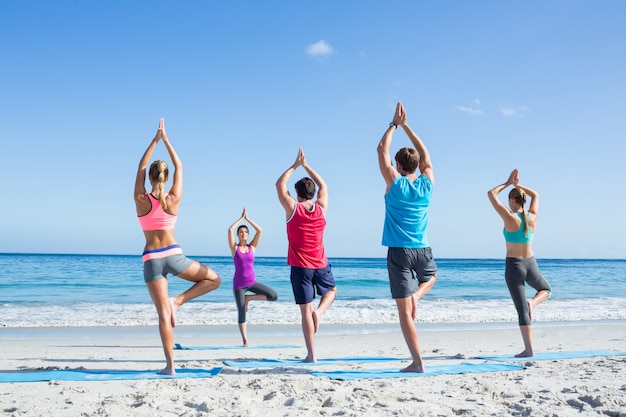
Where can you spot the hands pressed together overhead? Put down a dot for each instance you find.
(513, 178)
(399, 117)
(300, 159)
(160, 134)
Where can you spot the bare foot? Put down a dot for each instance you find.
(174, 308)
(167, 371)
(414, 368)
(245, 342)
(309, 359)
(316, 321)
(525, 354)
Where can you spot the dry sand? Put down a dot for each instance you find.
(567, 387)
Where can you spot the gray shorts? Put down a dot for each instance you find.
(407, 268)
(156, 269)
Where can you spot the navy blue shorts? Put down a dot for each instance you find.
(305, 281)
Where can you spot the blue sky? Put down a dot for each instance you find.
(488, 85)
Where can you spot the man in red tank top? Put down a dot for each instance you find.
(310, 270)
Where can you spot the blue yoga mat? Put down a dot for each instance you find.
(178, 346)
(102, 375)
(462, 368)
(271, 363)
(551, 356)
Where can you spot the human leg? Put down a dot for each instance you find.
(261, 293)
(526, 331)
(326, 287)
(268, 293)
(159, 295)
(422, 289)
(240, 301)
(243, 329)
(325, 302)
(539, 298)
(515, 274)
(308, 330)
(401, 263)
(303, 293)
(407, 325)
(205, 280)
(423, 264)
(536, 280)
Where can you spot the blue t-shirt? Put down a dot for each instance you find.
(406, 213)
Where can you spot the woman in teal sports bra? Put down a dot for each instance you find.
(521, 265)
(162, 254)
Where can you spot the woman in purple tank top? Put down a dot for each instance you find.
(244, 280)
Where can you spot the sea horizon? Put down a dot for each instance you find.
(83, 290)
(329, 257)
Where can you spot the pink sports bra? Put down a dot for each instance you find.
(157, 218)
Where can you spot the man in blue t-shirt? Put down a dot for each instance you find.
(412, 269)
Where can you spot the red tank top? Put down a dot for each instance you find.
(305, 232)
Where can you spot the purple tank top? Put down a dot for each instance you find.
(244, 269)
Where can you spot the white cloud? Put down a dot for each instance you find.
(471, 110)
(514, 111)
(320, 49)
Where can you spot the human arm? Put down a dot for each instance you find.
(387, 169)
(258, 232)
(511, 221)
(176, 191)
(232, 244)
(425, 164)
(286, 200)
(534, 198)
(322, 188)
(140, 179)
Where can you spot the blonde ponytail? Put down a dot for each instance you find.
(159, 172)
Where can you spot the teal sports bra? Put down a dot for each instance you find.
(518, 235)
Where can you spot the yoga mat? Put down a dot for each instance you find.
(463, 368)
(101, 375)
(270, 363)
(551, 356)
(178, 346)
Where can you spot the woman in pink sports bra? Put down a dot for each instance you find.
(162, 254)
(244, 280)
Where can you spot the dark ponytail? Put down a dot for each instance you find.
(519, 196)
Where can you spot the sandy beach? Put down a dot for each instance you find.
(563, 387)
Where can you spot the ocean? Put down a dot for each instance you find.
(50, 290)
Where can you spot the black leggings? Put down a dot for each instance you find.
(517, 273)
(257, 288)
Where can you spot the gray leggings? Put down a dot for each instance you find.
(257, 288)
(517, 273)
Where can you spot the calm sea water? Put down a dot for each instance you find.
(108, 290)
